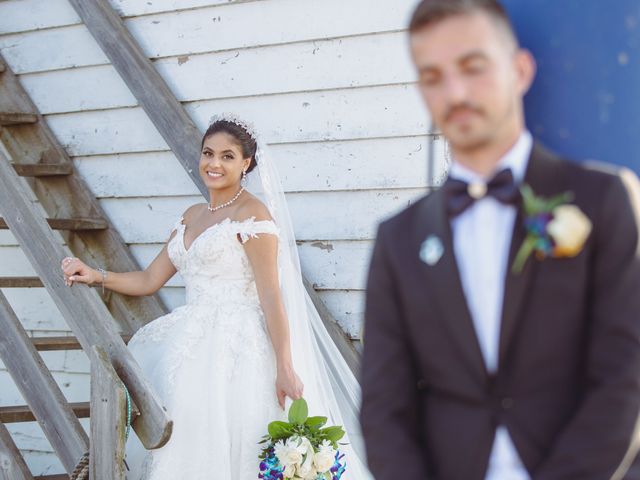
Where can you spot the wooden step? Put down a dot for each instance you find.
(59, 476)
(2, 66)
(43, 169)
(22, 413)
(47, 344)
(21, 282)
(26, 282)
(70, 224)
(8, 119)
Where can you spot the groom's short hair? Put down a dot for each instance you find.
(429, 12)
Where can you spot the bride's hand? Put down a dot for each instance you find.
(288, 384)
(75, 270)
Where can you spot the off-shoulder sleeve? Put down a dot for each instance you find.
(177, 226)
(253, 229)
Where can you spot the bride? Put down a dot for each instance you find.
(248, 336)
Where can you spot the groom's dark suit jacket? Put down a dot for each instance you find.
(568, 384)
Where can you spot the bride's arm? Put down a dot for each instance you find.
(262, 252)
(137, 283)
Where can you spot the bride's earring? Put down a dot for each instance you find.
(243, 181)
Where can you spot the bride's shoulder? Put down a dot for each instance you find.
(192, 211)
(186, 218)
(253, 208)
(255, 219)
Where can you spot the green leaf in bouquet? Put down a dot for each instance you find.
(333, 434)
(316, 422)
(279, 429)
(298, 412)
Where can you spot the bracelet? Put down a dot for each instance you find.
(103, 272)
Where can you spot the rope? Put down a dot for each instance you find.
(81, 472)
(128, 429)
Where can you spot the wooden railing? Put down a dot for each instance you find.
(93, 326)
(108, 419)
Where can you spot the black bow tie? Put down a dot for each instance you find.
(461, 195)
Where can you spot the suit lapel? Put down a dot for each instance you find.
(444, 280)
(545, 176)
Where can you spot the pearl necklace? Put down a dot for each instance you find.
(214, 209)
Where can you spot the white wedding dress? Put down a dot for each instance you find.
(212, 363)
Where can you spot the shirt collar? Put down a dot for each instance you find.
(517, 159)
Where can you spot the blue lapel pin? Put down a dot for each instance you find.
(431, 250)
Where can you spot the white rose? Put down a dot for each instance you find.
(297, 443)
(323, 461)
(289, 471)
(307, 470)
(569, 229)
(326, 446)
(287, 455)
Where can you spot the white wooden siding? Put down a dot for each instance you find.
(328, 82)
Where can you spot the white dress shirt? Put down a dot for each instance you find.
(481, 242)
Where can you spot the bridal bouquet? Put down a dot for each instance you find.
(301, 449)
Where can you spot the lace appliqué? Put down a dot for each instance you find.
(251, 228)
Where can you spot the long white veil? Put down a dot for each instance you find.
(330, 387)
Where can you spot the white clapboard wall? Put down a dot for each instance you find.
(328, 82)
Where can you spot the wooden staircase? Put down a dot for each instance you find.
(33, 165)
(68, 203)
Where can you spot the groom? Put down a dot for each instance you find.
(488, 356)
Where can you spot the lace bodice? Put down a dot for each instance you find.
(216, 268)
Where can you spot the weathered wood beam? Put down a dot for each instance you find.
(43, 169)
(170, 118)
(80, 306)
(50, 344)
(12, 464)
(8, 119)
(70, 224)
(146, 84)
(339, 337)
(70, 197)
(21, 282)
(30, 282)
(108, 419)
(40, 390)
(23, 413)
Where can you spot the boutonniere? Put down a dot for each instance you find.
(554, 227)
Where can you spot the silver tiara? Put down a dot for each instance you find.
(233, 118)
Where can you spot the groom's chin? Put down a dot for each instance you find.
(465, 140)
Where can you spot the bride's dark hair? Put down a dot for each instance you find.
(243, 138)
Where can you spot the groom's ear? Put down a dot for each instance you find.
(525, 66)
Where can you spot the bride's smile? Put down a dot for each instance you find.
(222, 163)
